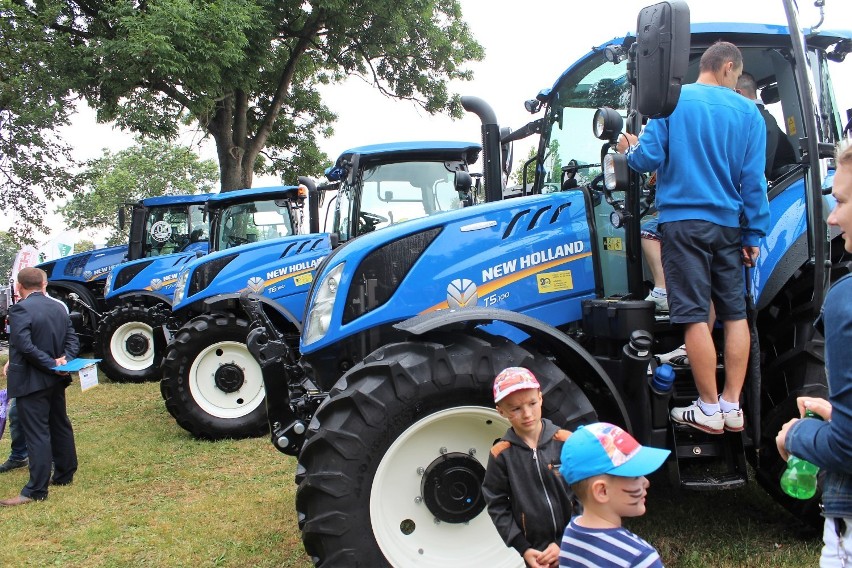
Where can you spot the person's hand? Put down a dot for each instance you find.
(625, 141)
(61, 361)
(6, 369)
(750, 254)
(531, 557)
(818, 406)
(781, 437)
(550, 556)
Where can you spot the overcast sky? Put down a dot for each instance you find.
(527, 46)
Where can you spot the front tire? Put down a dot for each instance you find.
(211, 384)
(413, 418)
(130, 345)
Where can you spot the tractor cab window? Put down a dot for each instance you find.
(587, 86)
(395, 192)
(254, 222)
(171, 229)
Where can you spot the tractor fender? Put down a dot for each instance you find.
(795, 257)
(569, 355)
(142, 297)
(226, 302)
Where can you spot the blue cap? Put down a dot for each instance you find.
(601, 448)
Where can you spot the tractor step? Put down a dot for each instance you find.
(708, 462)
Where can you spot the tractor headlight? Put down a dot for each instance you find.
(616, 172)
(108, 284)
(180, 287)
(319, 312)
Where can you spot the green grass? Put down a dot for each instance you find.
(147, 494)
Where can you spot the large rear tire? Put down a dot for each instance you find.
(413, 418)
(793, 365)
(211, 384)
(130, 345)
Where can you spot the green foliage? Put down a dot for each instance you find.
(83, 245)
(518, 175)
(34, 100)
(9, 247)
(246, 72)
(150, 169)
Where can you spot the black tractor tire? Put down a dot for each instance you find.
(129, 345)
(211, 384)
(87, 323)
(793, 365)
(416, 413)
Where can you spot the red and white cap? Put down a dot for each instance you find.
(513, 379)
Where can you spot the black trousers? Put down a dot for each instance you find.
(50, 439)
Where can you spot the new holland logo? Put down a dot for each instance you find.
(87, 274)
(461, 293)
(156, 283)
(255, 284)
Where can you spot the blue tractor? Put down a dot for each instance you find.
(131, 337)
(159, 225)
(210, 383)
(387, 403)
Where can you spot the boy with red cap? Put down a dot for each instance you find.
(528, 500)
(606, 468)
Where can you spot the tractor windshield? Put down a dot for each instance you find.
(171, 229)
(253, 222)
(390, 193)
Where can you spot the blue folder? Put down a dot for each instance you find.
(75, 365)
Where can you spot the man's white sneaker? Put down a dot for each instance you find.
(734, 420)
(675, 358)
(693, 416)
(662, 304)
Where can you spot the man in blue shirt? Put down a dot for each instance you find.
(709, 155)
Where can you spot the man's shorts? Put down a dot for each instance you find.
(703, 260)
(649, 229)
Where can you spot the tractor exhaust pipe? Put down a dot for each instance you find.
(491, 167)
(313, 203)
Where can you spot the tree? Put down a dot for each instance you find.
(83, 245)
(246, 72)
(9, 247)
(149, 169)
(35, 165)
(518, 175)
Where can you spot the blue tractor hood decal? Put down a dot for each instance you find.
(85, 266)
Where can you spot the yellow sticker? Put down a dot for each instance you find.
(791, 126)
(612, 243)
(303, 279)
(554, 281)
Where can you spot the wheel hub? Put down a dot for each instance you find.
(229, 377)
(137, 345)
(452, 488)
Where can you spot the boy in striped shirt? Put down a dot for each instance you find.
(606, 468)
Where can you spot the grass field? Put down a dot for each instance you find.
(147, 494)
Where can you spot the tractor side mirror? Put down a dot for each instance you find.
(662, 56)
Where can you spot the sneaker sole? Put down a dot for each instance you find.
(701, 427)
(730, 429)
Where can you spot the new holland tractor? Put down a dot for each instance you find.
(131, 337)
(211, 384)
(387, 402)
(159, 225)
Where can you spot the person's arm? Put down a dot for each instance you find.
(495, 489)
(20, 337)
(648, 154)
(828, 444)
(753, 183)
(72, 342)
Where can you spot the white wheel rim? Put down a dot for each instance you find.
(212, 399)
(397, 485)
(118, 346)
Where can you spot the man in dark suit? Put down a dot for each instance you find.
(41, 338)
(779, 150)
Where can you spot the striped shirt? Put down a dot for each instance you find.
(605, 548)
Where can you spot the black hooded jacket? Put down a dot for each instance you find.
(528, 499)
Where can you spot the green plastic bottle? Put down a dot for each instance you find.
(799, 480)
